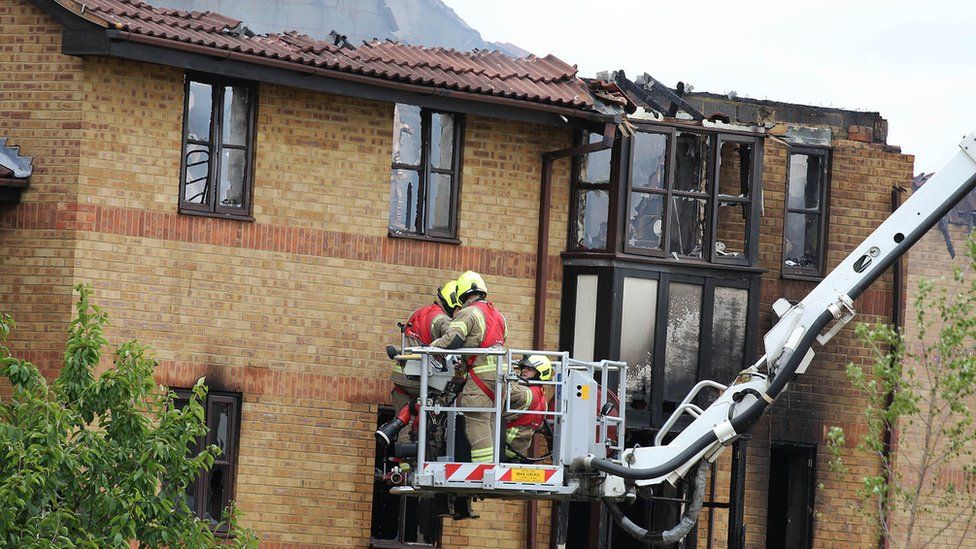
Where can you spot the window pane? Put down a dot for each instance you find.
(728, 332)
(735, 169)
(199, 108)
(691, 162)
(404, 190)
(637, 335)
(687, 228)
(441, 140)
(732, 232)
(806, 172)
(197, 174)
(235, 115)
(584, 331)
(406, 135)
(646, 220)
(217, 492)
(232, 178)
(219, 423)
(650, 152)
(439, 201)
(681, 356)
(802, 241)
(595, 166)
(591, 223)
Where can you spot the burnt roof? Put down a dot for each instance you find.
(547, 80)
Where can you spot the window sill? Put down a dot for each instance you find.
(199, 213)
(394, 544)
(800, 276)
(424, 238)
(609, 257)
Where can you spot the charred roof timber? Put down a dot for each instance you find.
(651, 94)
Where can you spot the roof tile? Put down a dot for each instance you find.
(531, 78)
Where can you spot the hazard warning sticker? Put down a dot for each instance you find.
(528, 475)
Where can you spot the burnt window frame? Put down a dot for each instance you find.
(385, 413)
(712, 197)
(578, 185)
(211, 208)
(809, 485)
(823, 211)
(226, 459)
(425, 170)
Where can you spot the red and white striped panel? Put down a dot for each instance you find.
(504, 474)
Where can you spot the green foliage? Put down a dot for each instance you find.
(99, 460)
(924, 388)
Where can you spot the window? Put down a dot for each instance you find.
(592, 206)
(399, 521)
(692, 201)
(425, 179)
(792, 482)
(218, 143)
(213, 491)
(805, 228)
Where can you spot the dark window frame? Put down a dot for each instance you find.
(425, 170)
(823, 212)
(712, 197)
(211, 208)
(809, 485)
(228, 458)
(578, 185)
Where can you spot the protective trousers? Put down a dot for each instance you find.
(480, 426)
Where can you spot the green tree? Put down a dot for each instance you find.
(925, 390)
(99, 460)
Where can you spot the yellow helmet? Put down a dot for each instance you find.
(447, 295)
(540, 364)
(469, 283)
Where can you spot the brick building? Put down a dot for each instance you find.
(248, 207)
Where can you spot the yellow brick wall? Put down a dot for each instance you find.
(930, 260)
(301, 332)
(40, 111)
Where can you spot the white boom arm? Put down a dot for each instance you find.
(788, 343)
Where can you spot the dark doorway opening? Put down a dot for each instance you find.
(789, 511)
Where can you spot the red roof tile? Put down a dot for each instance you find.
(537, 79)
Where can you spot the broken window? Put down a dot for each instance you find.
(729, 320)
(218, 136)
(397, 521)
(213, 490)
(425, 174)
(592, 183)
(806, 211)
(733, 227)
(648, 184)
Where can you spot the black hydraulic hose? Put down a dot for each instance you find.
(740, 423)
(672, 535)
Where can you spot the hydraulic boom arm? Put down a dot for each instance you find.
(788, 344)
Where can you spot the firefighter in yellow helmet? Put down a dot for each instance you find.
(478, 324)
(424, 326)
(520, 428)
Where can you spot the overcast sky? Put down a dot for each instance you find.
(915, 63)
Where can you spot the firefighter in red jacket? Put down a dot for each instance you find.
(477, 325)
(424, 326)
(520, 428)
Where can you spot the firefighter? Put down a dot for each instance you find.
(477, 325)
(424, 326)
(520, 428)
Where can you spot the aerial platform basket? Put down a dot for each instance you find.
(584, 417)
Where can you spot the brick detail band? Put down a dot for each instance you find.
(273, 238)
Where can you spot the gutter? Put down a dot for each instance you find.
(542, 276)
(888, 436)
(222, 54)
